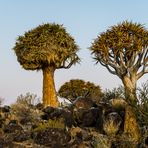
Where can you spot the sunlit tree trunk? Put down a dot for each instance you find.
(130, 89)
(131, 126)
(49, 92)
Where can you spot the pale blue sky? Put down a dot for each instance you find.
(83, 19)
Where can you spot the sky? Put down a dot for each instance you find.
(83, 19)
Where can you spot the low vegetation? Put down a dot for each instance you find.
(51, 123)
(24, 108)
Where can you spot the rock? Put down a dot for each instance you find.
(79, 133)
(45, 116)
(112, 123)
(106, 108)
(56, 113)
(91, 117)
(87, 117)
(74, 133)
(67, 115)
(52, 112)
(1, 121)
(52, 137)
(6, 109)
(48, 109)
(6, 141)
(146, 141)
(26, 144)
(13, 122)
(85, 144)
(12, 127)
(22, 136)
(39, 106)
(84, 103)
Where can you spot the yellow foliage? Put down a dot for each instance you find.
(56, 123)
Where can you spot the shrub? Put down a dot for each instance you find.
(55, 123)
(142, 107)
(117, 92)
(112, 123)
(24, 108)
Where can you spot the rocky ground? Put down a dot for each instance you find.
(83, 124)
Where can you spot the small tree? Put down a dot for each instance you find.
(47, 47)
(123, 50)
(75, 88)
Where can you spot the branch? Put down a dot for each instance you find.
(144, 64)
(108, 63)
(140, 74)
(73, 61)
(102, 63)
(131, 62)
(110, 70)
(143, 71)
(121, 60)
(142, 57)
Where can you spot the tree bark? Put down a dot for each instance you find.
(49, 92)
(130, 89)
(131, 127)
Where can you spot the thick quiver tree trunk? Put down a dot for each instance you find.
(49, 91)
(131, 126)
(130, 89)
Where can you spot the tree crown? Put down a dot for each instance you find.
(79, 88)
(123, 48)
(46, 45)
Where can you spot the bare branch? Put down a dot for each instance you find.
(131, 62)
(110, 65)
(142, 57)
(142, 72)
(73, 61)
(108, 68)
(103, 64)
(122, 63)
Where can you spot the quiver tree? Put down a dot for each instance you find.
(47, 47)
(123, 50)
(79, 88)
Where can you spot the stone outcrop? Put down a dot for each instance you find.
(80, 125)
